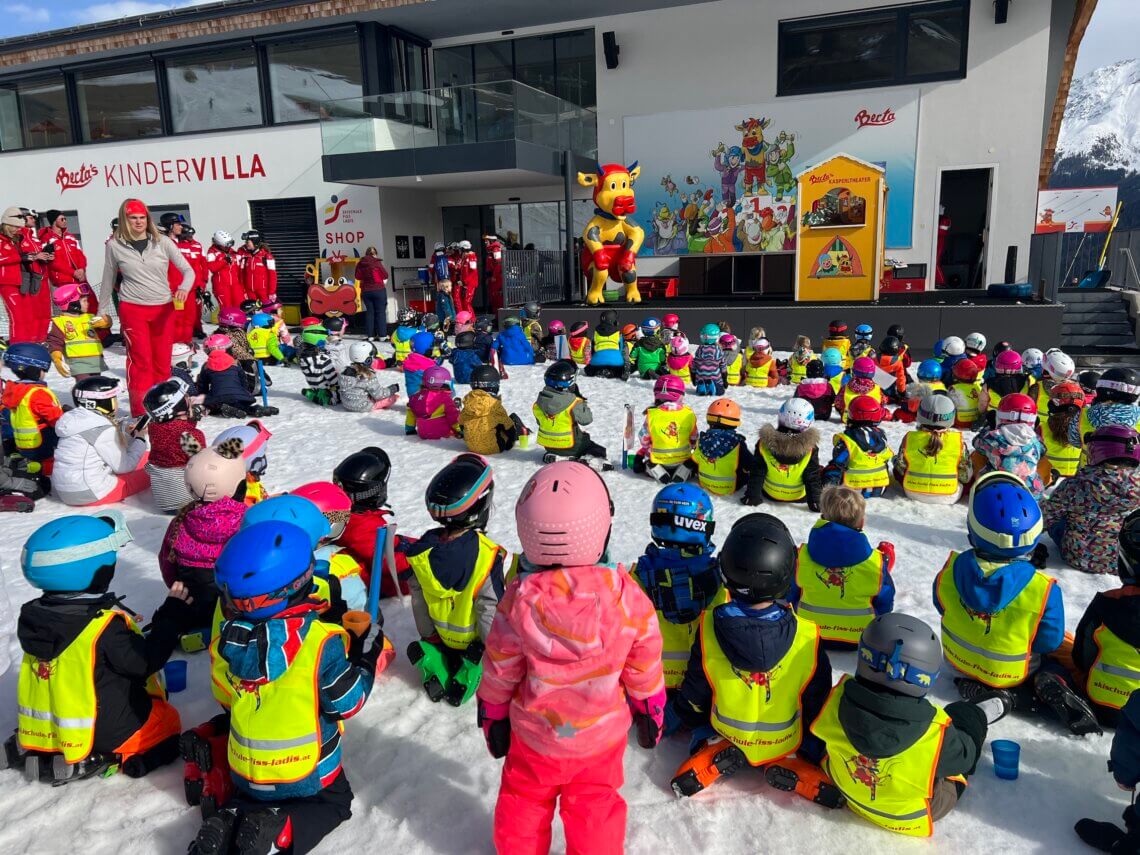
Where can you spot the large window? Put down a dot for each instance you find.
(409, 74)
(303, 74)
(34, 115)
(214, 90)
(877, 47)
(118, 105)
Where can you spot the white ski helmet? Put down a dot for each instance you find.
(254, 438)
(975, 341)
(1058, 365)
(438, 246)
(937, 411)
(223, 239)
(465, 245)
(796, 414)
(953, 346)
(1031, 358)
(361, 351)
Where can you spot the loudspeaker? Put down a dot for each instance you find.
(1010, 264)
(611, 49)
(1001, 11)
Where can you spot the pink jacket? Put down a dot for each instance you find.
(678, 363)
(566, 648)
(433, 414)
(196, 536)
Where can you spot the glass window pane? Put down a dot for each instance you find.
(839, 55)
(540, 223)
(493, 62)
(10, 136)
(302, 75)
(44, 114)
(119, 105)
(934, 42)
(507, 224)
(577, 69)
(217, 90)
(534, 62)
(453, 66)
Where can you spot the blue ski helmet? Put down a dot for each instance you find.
(938, 354)
(682, 514)
(710, 334)
(66, 553)
(261, 320)
(1004, 520)
(650, 326)
(423, 343)
(263, 567)
(864, 332)
(832, 358)
(28, 355)
(929, 370)
(289, 508)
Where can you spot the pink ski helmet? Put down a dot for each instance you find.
(333, 502)
(218, 341)
(212, 475)
(65, 295)
(231, 316)
(557, 328)
(864, 367)
(728, 341)
(679, 344)
(1118, 443)
(1007, 362)
(669, 387)
(271, 307)
(464, 317)
(564, 514)
(437, 377)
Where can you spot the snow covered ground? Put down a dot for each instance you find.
(422, 777)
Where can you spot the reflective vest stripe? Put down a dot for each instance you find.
(983, 651)
(555, 431)
(784, 482)
(805, 606)
(1117, 671)
(58, 721)
(898, 816)
(865, 470)
(717, 476)
(938, 475)
(272, 744)
(677, 655)
(757, 726)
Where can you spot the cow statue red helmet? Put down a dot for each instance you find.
(610, 241)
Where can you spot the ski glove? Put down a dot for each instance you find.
(649, 717)
(496, 724)
(1039, 556)
(753, 499)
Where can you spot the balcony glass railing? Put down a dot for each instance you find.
(480, 112)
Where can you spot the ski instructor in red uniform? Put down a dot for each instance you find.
(142, 256)
(23, 267)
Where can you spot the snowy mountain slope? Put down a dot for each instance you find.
(423, 780)
(1102, 118)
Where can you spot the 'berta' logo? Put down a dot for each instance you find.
(819, 179)
(74, 180)
(863, 118)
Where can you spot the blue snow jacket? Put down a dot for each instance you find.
(681, 586)
(514, 347)
(463, 362)
(484, 343)
(835, 545)
(1125, 754)
(989, 586)
(224, 387)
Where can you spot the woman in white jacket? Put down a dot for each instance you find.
(97, 461)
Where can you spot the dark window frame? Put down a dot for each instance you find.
(797, 26)
(41, 76)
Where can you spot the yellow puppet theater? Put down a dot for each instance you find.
(841, 230)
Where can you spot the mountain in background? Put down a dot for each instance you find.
(1099, 143)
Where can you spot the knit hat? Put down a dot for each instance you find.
(51, 216)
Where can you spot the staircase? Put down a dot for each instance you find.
(1095, 319)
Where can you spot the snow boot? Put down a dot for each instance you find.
(206, 779)
(549, 457)
(598, 464)
(93, 765)
(1069, 707)
(143, 763)
(1102, 836)
(215, 835)
(719, 758)
(228, 411)
(795, 775)
(260, 412)
(16, 503)
(261, 832)
(430, 661)
(465, 681)
(1022, 698)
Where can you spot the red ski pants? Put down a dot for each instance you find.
(183, 320)
(586, 790)
(149, 335)
(29, 315)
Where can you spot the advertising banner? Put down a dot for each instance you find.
(1075, 209)
(723, 180)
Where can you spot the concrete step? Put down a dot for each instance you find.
(1113, 326)
(1096, 340)
(1092, 315)
(1072, 298)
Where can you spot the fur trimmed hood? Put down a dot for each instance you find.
(788, 447)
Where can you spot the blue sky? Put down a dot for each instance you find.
(33, 16)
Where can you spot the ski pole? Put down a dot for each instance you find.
(377, 573)
(264, 389)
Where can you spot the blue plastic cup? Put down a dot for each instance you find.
(175, 672)
(1007, 754)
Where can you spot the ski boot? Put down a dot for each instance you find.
(549, 457)
(430, 661)
(16, 503)
(215, 835)
(1069, 707)
(92, 766)
(598, 464)
(261, 832)
(719, 758)
(795, 775)
(206, 779)
(145, 762)
(194, 641)
(1020, 698)
(465, 681)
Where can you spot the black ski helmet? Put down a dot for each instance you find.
(532, 310)
(1120, 384)
(1128, 557)
(1088, 380)
(1001, 347)
(485, 377)
(465, 339)
(250, 306)
(97, 393)
(900, 652)
(890, 346)
(560, 374)
(459, 496)
(758, 559)
(169, 220)
(163, 401)
(609, 316)
(484, 323)
(897, 331)
(336, 324)
(253, 236)
(814, 368)
(364, 477)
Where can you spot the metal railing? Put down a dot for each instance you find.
(534, 274)
(1061, 260)
(454, 115)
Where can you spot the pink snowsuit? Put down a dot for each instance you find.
(566, 650)
(194, 538)
(432, 413)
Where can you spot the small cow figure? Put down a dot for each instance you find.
(611, 241)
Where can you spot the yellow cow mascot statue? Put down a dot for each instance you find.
(610, 241)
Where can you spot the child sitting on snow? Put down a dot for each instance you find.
(171, 416)
(932, 465)
(760, 369)
(561, 413)
(336, 346)
(610, 356)
(837, 339)
(860, 455)
(841, 583)
(709, 365)
(231, 324)
(815, 389)
(679, 361)
(432, 413)
(1062, 458)
(733, 359)
(798, 361)
(1117, 396)
(483, 422)
(359, 386)
(1012, 446)
(581, 348)
(484, 340)
(32, 408)
(648, 355)
(407, 326)
(786, 467)
(318, 367)
(463, 358)
(860, 382)
(721, 456)
(667, 435)
(225, 386)
(331, 561)
(512, 346)
(182, 367)
(969, 398)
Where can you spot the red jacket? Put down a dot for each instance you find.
(69, 257)
(192, 251)
(359, 540)
(225, 267)
(259, 272)
(12, 254)
(469, 269)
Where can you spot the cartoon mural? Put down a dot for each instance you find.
(839, 259)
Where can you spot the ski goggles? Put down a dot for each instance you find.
(895, 668)
(269, 602)
(684, 523)
(119, 537)
(172, 404)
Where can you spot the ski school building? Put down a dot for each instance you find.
(334, 125)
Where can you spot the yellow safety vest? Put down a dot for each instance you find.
(892, 792)
(932, 476)
(718, 477)
(796, 372)
(56, 704)
(782, 481)
(760, 713)
(254, 490)
(275, 727)
(1115, 673)
(838, 599)
(837, 382)
(342, 565)
(735, 368)
(994, 649)
(26, 427)
(843, 345)
(684, 373)
(865, 470)
(1042, 396)
(555, 431)
(670, 435)
(578, 352)
(79, 338)
(259, 341)
(606, 342)
(849, 396)
(676, 646)
(1063, 457)
(995, 398)
(402, 348)
(968, 402)
(757, 375)
(453, 612)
